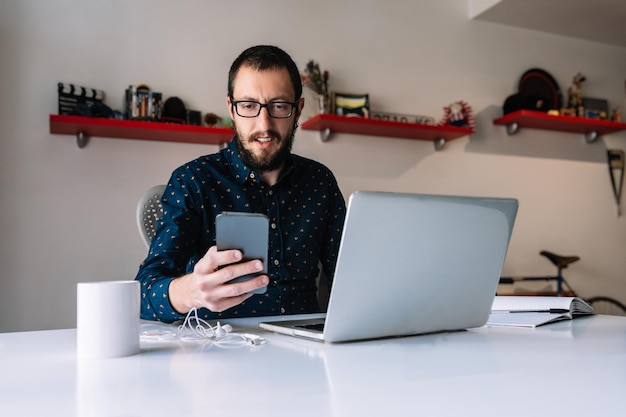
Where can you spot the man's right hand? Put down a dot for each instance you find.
(207, 285)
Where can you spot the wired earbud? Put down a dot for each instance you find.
(221, 331)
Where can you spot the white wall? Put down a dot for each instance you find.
(67, 215)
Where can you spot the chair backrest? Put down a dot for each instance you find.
(148, 212)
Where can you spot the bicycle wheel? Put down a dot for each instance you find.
(607, 305)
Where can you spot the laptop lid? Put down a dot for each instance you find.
(414, 263)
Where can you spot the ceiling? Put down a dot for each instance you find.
(601, 21)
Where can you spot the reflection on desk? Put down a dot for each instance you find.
(574, 367)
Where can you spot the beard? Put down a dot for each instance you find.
(266, 162)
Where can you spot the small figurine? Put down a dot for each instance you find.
(458, 114)
(575, 99)
(212, 119)
(617, 114)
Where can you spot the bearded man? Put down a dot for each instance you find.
(256, 173)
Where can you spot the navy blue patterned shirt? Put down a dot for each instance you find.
(306, 211)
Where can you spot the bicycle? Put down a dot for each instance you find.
(600, 304)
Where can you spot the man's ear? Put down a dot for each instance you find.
(230, 107)
(300, 107)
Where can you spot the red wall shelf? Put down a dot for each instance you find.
(591, 128)
(84, 127)
(331, 123)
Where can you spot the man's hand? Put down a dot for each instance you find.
(206, 285)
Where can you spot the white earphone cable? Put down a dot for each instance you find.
(195, 328)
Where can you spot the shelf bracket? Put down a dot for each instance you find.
(325, 135)
(439, 143)
(512, 128)
(591, 137)
(81, 139)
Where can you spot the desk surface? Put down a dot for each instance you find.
(573, 368)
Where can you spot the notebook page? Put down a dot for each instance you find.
(531, 303)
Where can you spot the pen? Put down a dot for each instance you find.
(551, 311)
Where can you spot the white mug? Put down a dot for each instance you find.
(107, 324)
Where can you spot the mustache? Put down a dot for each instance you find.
(270, 133)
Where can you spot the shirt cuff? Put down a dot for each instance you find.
(159, 295)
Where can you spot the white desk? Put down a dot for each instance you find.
(571, 368)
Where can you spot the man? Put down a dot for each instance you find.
(256, 173)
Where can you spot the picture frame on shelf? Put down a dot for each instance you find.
(596, 108)
(350, 105)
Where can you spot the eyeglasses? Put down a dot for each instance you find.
(276, 109)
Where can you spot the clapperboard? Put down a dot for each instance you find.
(71, 94)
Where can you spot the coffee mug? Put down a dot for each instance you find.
(107, 323)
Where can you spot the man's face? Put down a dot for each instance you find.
(263, 141)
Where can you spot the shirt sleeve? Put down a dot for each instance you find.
(171, 253)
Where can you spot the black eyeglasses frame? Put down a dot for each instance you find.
(234, 103)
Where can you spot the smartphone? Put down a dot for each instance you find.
(248, 232)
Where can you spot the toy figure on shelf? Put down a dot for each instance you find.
(458, 114)
(616, 116)
(575, 99)
(212, 119)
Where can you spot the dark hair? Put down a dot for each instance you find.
(266, 57)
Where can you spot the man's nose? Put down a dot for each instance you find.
(264, 119)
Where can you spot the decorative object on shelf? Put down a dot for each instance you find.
(574, 97)
(142, 104)
(212, 119)
(616, 171)
(402, 118)
(458, 114)
(323, 103)
(174, 111)
(71, 95)
(194, 118)
(314, 78)
(539, 83)
(523, 101)
(97, 109)
(616, 116)
(595, 108)
(317, 80)
(351, 105)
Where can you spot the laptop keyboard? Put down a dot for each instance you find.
(315, 326)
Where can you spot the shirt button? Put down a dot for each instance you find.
(271, 192)
(252, 175)
(276, 262)
(282, 310)
(273, 226)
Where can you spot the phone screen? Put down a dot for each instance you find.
(248, 232)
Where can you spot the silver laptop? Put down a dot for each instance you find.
(412, 264)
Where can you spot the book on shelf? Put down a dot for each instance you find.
(533, 311)
(142, 104)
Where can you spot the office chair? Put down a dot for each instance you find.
(148, 212)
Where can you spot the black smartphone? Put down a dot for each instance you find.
(248, 232)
